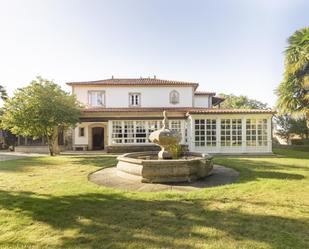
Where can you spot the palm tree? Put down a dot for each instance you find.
(3, 94)
(293, 92)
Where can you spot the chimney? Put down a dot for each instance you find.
(154, 76)
(112, 77)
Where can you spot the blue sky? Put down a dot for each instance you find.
(231, 46)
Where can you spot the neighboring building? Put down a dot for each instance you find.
(2, 139)
(120, 114)
(39, 145)
(7, 139)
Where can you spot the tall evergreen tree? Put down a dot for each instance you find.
(293, 92)
(3, 94)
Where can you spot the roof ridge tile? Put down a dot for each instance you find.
(134, 81)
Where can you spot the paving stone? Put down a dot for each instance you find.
(108, 177)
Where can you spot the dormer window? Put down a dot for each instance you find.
(134, 99)
(96, 98)
(174, 97)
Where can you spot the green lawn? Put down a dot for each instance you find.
(49, 203)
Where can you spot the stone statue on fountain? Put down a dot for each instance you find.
(165, 138)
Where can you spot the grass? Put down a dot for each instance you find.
(48, 203)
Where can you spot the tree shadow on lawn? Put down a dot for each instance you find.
(291, 206)
(113, 221)
(24, 164)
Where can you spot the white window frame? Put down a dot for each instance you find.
(205, 132)
(128, 132)
(97, 92)
(141, 132)
(137, 131)
(231, 132)
(175, 125)
(117, 132)
(134, 99)
(256, 132)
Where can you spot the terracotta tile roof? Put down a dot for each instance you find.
(204, 93)
(229, 111)
(135, 82)
(189, 110)
(136, 109)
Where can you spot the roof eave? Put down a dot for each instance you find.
(204, 94)
(232, 111)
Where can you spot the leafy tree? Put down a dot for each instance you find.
(283, 126)
(293, 92)
(240, 102)
(3, 94)
(288, 125)
(40, 110)
(299, 127)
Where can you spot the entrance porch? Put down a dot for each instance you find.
(91, 136)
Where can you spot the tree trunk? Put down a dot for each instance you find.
(307, 114)
(53, 143)
(56, 149)
(50, 145)
(288, 141)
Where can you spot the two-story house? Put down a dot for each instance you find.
(121, 113)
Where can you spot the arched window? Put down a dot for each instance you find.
(174, 97)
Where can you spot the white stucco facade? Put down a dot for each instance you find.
(202, 101)
(188, 132)
(118, 97)
(82, 140)
(204, 128)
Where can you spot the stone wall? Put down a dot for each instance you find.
(41, 149)
(135, 148)
(131, 148)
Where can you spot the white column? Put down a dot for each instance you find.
(269, 135)
(182, 128)
(74, 135)
(122, 130)
(190, 131)
(243, 135)
(218, 134)
(110, 131)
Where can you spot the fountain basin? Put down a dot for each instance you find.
(146, 167)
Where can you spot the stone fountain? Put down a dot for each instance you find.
(165, 138)
(154, 167)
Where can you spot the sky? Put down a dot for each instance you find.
(227, 46)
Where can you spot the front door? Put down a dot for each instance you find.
(97, 138)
